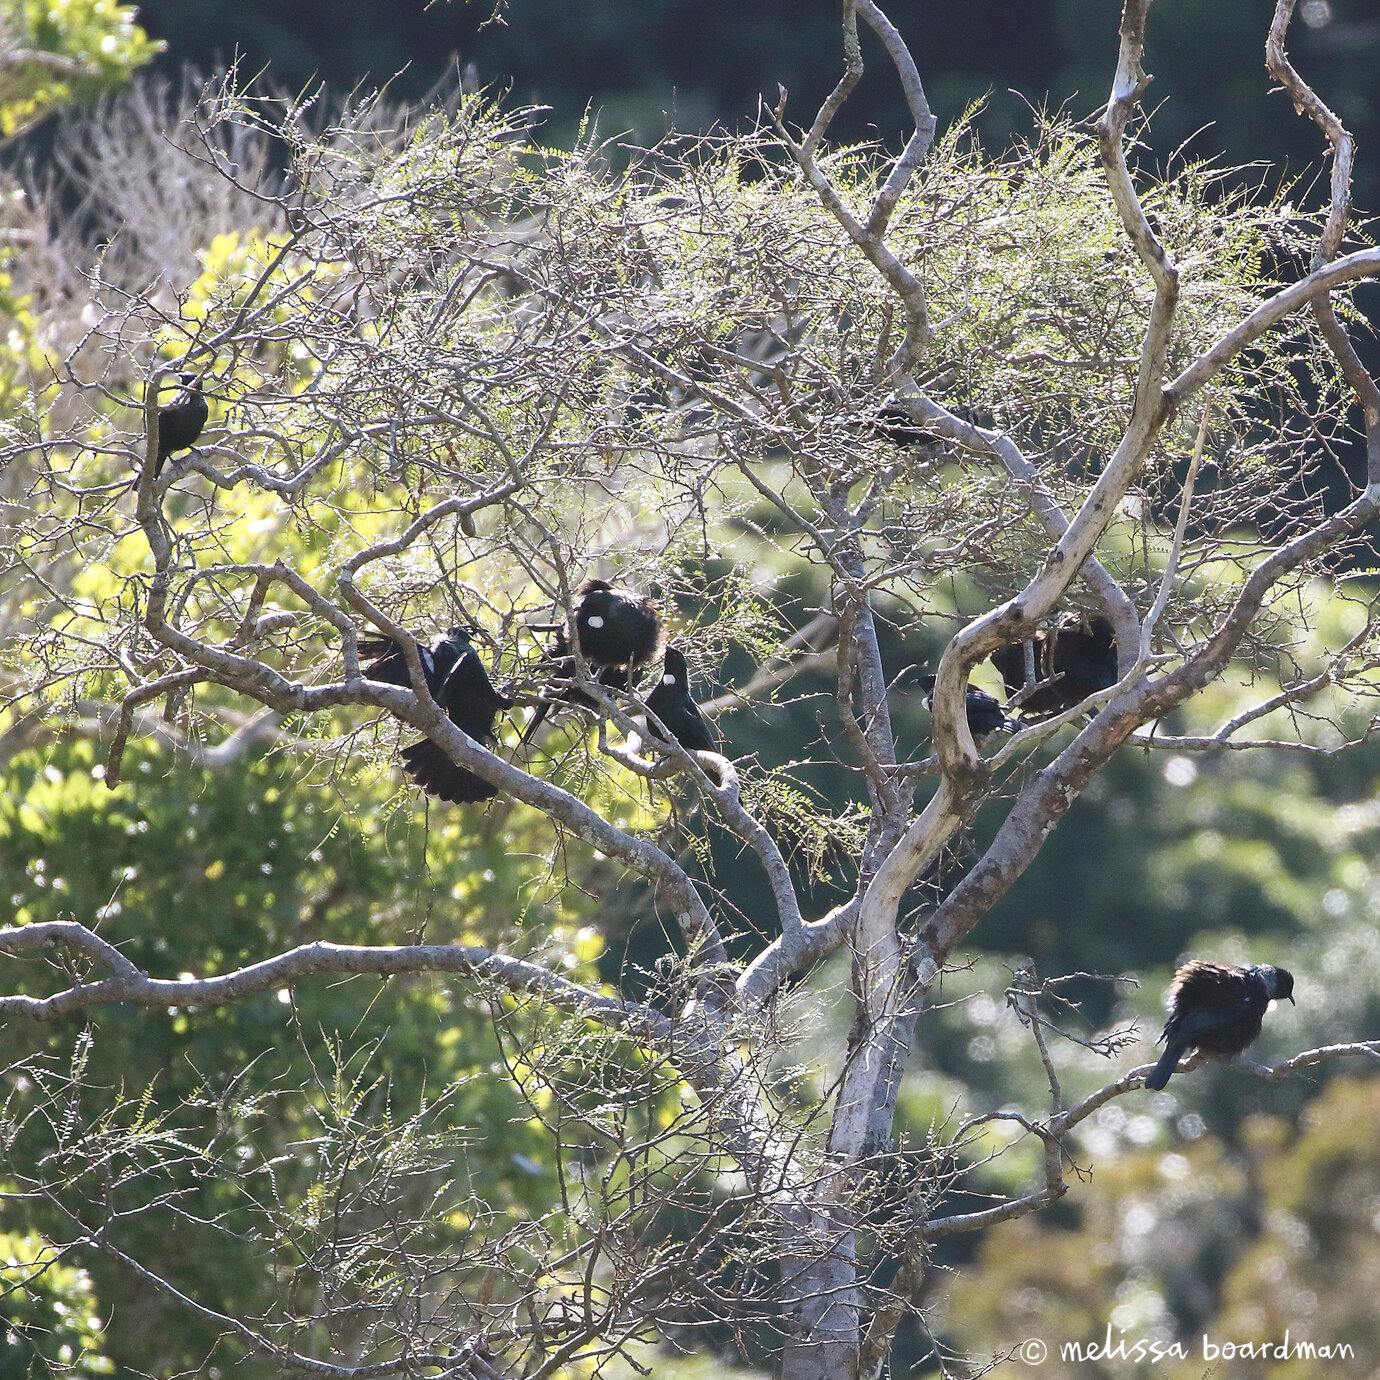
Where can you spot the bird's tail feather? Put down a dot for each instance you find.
(437, 775)
(534, 723)
(1169, 1061)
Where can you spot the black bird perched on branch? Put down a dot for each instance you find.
(460, 685)
(1218, 1009)
(619, 633)
(1078, 658)
(896, 424)
(672, 703)
(180, 422)
(984, 712)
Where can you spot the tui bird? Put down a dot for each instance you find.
(619, 633)
(1077, 657)
(1218, 1009)
(984, 713)
(180, 422)
(460, 685)
(894, 423)
(672, 704)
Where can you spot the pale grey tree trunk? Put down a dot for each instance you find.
(821, 1314)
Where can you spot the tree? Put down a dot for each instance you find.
(48, 1300)
(451, 374)
(51, 55)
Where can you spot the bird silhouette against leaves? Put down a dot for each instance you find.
(619, 633)
(1076, 657)
(461, 687)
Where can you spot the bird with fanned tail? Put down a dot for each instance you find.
(460, 685)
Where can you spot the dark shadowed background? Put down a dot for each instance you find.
(644, 64)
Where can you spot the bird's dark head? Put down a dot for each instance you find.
(591, 585)
(1279, 982)
(927, 684)
(676, 672)
(461, 633)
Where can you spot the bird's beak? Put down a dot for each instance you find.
(1292, 1002)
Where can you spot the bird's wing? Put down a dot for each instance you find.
(1188, 1027)
(695, 732)
(468, 696)
(390, 667)
(388, 664)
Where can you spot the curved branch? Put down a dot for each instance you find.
(852, 75)
(957, 753)
(790, 954)
(308, 960)
(1306, 101)
(1040, 807)
(1127, 88)
(415, 706)
(920, 142)
(1365, 263)
(868, 235)
(998, 446)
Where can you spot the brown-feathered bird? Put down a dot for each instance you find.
(619, 633)
(1079, 656)
(1218, 1009)
(460, 685)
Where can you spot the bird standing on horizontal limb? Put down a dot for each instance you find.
(619, 633)
(461, 687)
(984, 712)
(180, 422)
(1218, 1009)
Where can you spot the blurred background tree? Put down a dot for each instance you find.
(54, 55)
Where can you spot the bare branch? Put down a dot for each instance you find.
(295, 965)
(937, 1229)
(918, 145)
(1343, 147)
